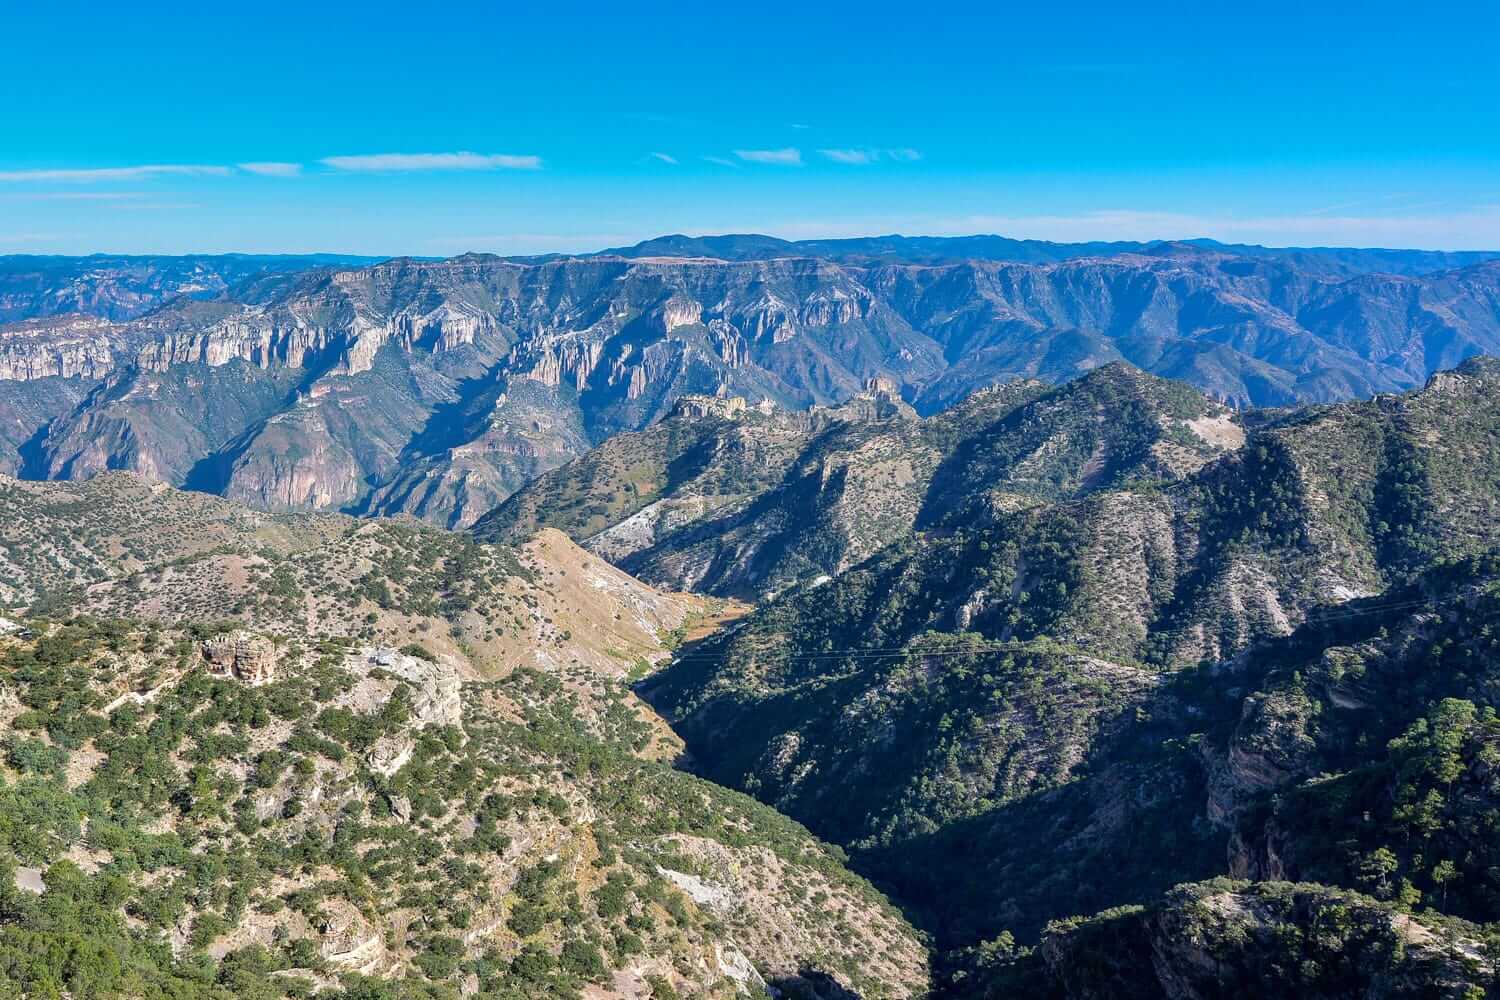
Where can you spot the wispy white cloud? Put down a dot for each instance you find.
(861, 157)
(720, 161)
(272, 168)
(788, 157)
(856, 157)
(1404, 202)
(432, 161)
(665, 158)
(95, 196)
(92, 174)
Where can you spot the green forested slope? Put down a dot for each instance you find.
(1029, 713)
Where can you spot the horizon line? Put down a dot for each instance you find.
(1199, 242)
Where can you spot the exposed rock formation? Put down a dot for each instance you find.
(695, 406)
(241, 655)
(70, 347)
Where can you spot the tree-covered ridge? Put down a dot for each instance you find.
(64, 543)
(753, 505)
(714, 459)
(1053, 708)
(1112, 428)
(366, 824)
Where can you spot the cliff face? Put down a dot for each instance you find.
(413, 350)
(564, 320)
(75, 347)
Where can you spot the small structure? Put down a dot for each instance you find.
(240, 655)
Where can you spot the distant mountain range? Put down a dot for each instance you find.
(438, 388)
(1323, 261)
(120, 287)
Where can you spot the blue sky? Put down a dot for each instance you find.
(439, 128)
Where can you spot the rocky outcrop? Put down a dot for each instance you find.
(241, 655)
(348, 940)
(696, 407)
(433, 686)
(680, 312)
(1271, 746)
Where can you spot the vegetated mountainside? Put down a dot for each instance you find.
(439, 387)
(118, 287)
(250, 755)
(119, 547)
(1027, 712)
(1357, 753)
(749, 503)
(706, 454)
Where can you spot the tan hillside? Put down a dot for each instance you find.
(116, 545)
(374, 758)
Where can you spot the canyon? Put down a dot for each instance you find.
(439, 387)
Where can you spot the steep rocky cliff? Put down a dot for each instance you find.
(1329, 262)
